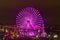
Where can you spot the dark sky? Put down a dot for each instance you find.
(49, 8)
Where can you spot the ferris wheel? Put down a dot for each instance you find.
(28, 20)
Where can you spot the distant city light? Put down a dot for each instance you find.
(17, 35)
(49, 35)
(55, 36)
(6, 31)
(36, 36)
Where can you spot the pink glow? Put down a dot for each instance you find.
(29, 20)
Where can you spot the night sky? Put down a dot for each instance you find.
(50, 10)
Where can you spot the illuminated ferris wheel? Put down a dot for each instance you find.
(29, 22)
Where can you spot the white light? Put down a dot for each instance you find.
(31, 34)
(17, 35)
(49, 35)
(36, 36)
(55, 36)
(39, 30)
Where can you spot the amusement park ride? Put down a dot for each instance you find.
(30, 23)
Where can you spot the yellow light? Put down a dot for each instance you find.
(55, 36)
(49, 35)
(36, 36)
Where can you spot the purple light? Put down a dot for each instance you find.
(31, 34)
(28, 20)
